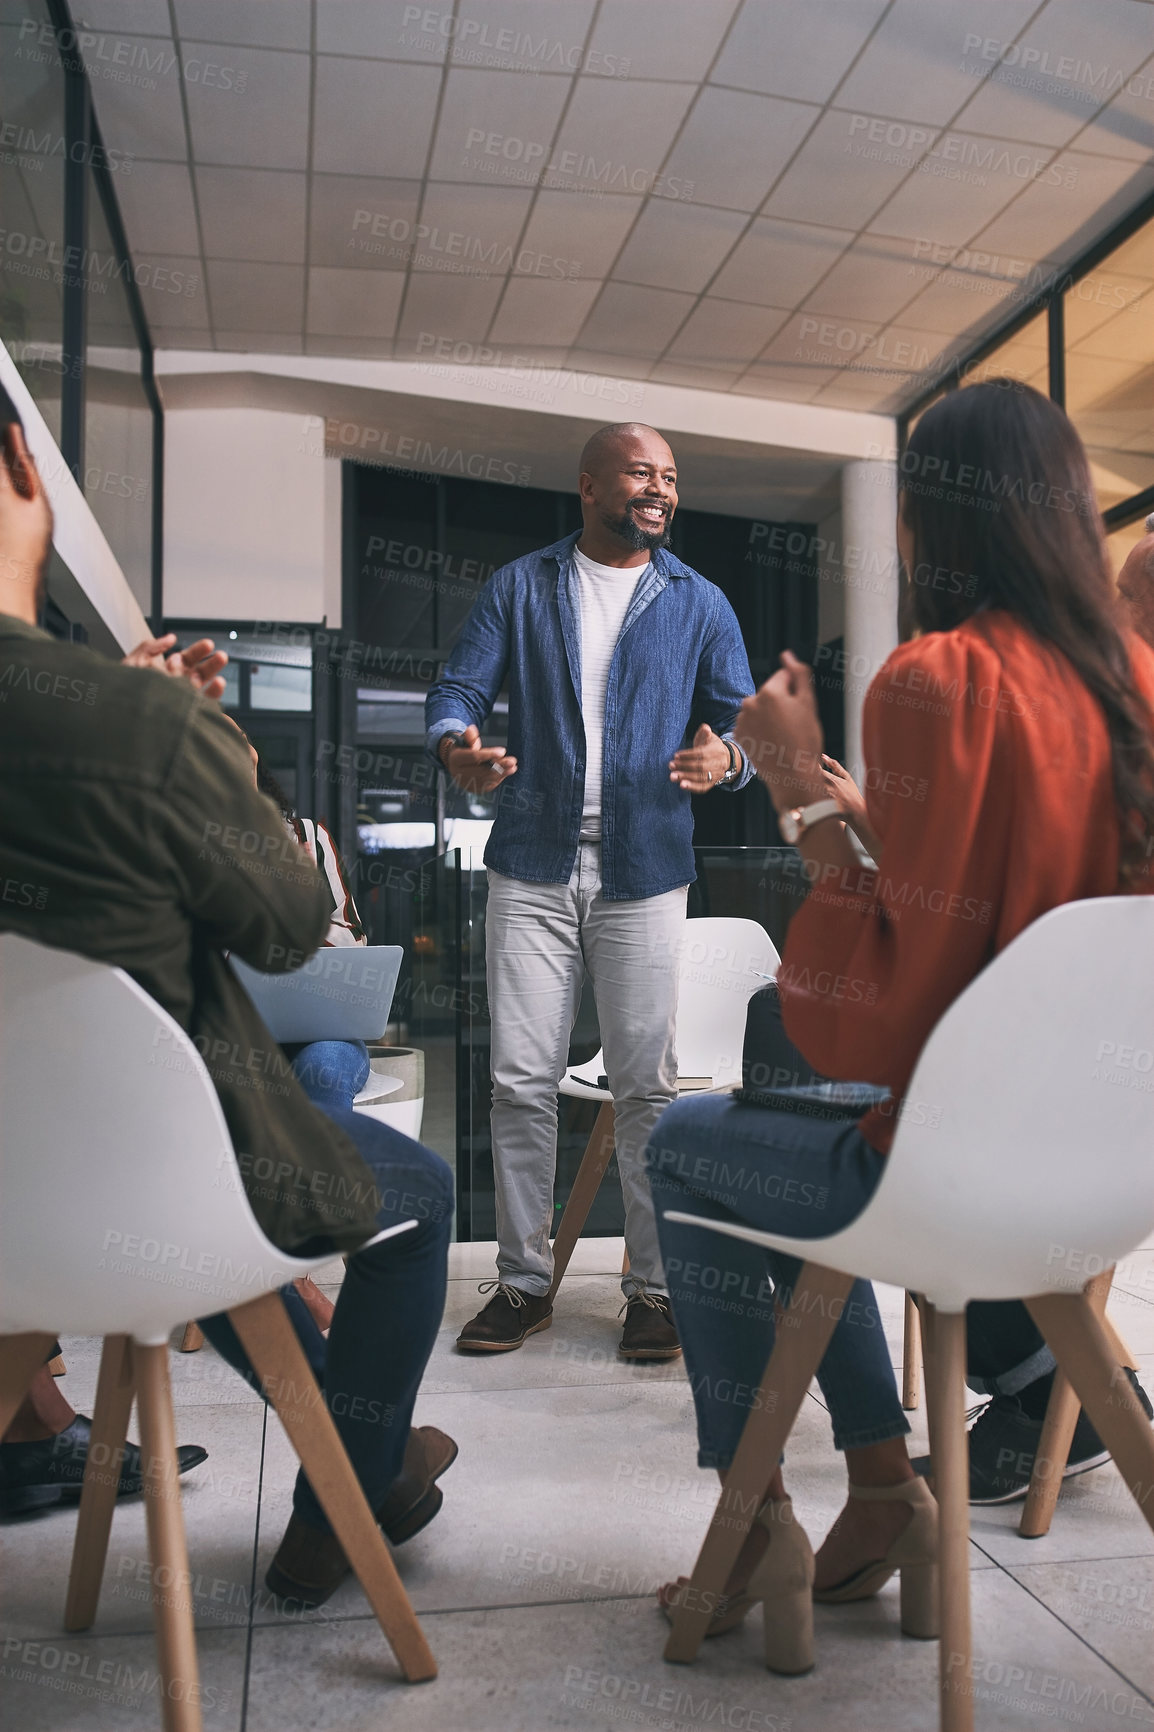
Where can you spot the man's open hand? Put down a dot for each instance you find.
(200, 664)
(475, 768)
(699, 767)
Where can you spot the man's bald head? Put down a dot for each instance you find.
(628, 487)
(610, 444)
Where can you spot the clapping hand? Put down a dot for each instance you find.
(200, 664)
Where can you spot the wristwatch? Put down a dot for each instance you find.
(794, 824)
(734, 763)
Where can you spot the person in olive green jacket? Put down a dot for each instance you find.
(128, 805)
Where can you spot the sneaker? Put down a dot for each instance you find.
(510, 1316)
(1004, 1441)
(650, 1332)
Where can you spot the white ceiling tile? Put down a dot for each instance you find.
(252, 213)
(496, 127)
(1125, 127)
(616, 135)
(136, 17)
(961, 299)
(726, 332)
(670, 372)
(777, 263)
(373, 118)
(258, 341)
(359, 348)
(142, 117)
(516, 35)
(353, 303)
(678, 43)
(840, 177)
(471, 228)
(962, 186)
(633, 321)
(267, 297)
(458, 308)
(267, 24)
(735, 145)
(790, 384)
(854, 391)
(1056, 221)
(809, 341)
(913, 68)
(156, 204)
(873, 280)
(678, 246)
(177, 337)
(383, 30)
(536, 311)
(358, 222)
(1128, 335)
(171, 291)
(582, 231)
(261, 120)
(771, 50)
(600, 361)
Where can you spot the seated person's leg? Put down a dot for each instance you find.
(331, 1072)
(1007, 1359)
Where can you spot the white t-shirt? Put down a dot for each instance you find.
(604, 593)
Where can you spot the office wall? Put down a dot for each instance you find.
(251, 518)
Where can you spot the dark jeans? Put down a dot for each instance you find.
(386, 1318)
(1005, 1351)
(787, 1172)
(331, 1072)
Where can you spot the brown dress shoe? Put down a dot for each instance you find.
(310, 1563)
(506, 1321)
(650, 1332)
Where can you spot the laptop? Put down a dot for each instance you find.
(343, 992)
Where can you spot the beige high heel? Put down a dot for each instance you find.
(914, 1553)
(783, 1582)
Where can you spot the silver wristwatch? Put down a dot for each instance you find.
(794, 824)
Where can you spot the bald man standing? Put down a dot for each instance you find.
(625, 670)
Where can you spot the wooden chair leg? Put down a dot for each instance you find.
(271, 1344)
(193, 1338)
(1057, 1435)
(594, 1164)
(57, 1366)
(21, 1357)
(1082, 1345)
(167, 1547)
(945, 1401)
(911, 1357)
(801, 1337)
(115, 1389)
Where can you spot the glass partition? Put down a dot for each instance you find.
(1109, 328)
(32, 166)
(442, 1007)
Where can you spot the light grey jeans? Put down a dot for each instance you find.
(540, 942)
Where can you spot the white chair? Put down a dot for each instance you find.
(722, 962)
(124, 1210)
(1021, 1168)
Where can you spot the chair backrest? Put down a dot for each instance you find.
(121, 1203)
(722, 963)
(1024, 1160)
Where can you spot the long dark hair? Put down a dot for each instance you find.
(997, 494)
(268, 784)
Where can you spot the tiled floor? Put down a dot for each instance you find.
(575, 1494)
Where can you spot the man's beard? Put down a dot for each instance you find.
(641, 540)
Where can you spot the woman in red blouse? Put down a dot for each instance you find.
(1010, 747)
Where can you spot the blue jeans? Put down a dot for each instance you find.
(783, 1172)
(387, 1315)
(331, 1072)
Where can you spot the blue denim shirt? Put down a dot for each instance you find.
(679, 661)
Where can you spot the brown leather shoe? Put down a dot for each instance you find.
(650, 1332)
(510, 1316)
(310, 1563)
